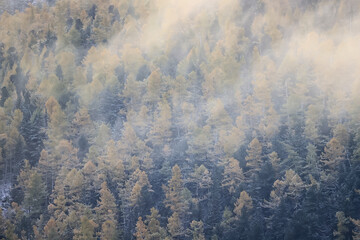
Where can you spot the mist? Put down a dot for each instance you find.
(160, 119)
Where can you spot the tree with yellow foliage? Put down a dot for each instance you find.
(86, 231)
(233, 175)
(243, 204)
(107, 208)
(175, 227)
(156, 232)
(142, 232)
(161, 128)
(57, 121)
(254, 157)
(333, 155)
(108, 230)
(174, 192)
(197, 228)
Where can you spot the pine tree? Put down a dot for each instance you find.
(197, 228)
(134, 186)
(333, 154)
(153, 87)
(106, 209)
(37, 234)
(51, 230)
(174, 226)
(35, 196)
(312, 159)
(200, 142)
(228, 223)
(82, 123)
(24, 175)
(74, 184)
(86, 231)
(58, 123)
(142, 232)
(108, 230)
(156, 232)
(103, 136)
(161, 128)
(174, 192)
(48, 167)
(356, 231)
(133, 198)
(233, 175)
(135, 194)
(66, 155)
(342, 135)
(202, 178)
(243, 204)
(342, 228)
(219, 117)
(253, 158)
(275, 161)
(58, 210)
(10, 231)
(114, 165)
(291, 186)
(230, 141)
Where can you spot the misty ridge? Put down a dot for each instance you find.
(192, 119)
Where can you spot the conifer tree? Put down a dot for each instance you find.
(86, 231)
(114, 165)
(10, 231)
(174, 192)
(253, 158)
(106, 209)
(233, 175)
(161, 127)
(275, 161)
(202, 178)
(356, 231)
(174, 226)
(197, 228)
(156, 232)
(35, 196)
(243, 204)
(51, 230)
(342, 228)
(108, 230)
(57, 120)
(333, 154)
(141, 230)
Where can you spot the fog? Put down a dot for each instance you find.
(190, 119)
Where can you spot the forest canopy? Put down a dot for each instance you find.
(192, 119)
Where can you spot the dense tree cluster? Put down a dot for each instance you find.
(151, 120)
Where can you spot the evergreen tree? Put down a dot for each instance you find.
(333, 154)
(156, 232)
(35, 196)
(254, 155)
(51, 231)
(197, 230)
(175, 227)
(86, 231)
(141, 230)
(108, 230)
(342, 229)
(107, 207)
(233, 175)
(244, 203)
(174, 193)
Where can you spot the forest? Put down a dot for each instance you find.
(179, 120)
